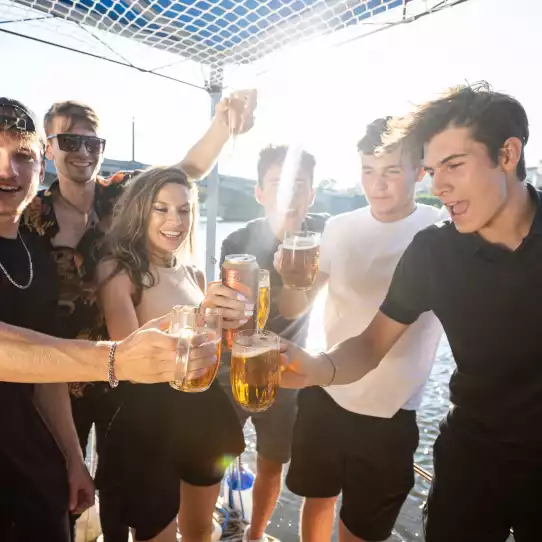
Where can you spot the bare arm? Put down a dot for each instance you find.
(347, 362)
(357, 356)
(147, 355)
(115, 297)
(29, 356)
(293, 303)
(203, 155)
(53, 403)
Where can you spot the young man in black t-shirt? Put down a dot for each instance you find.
(285, 191)
(480, 274)
(42, 472)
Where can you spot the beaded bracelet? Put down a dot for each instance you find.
(111, 376)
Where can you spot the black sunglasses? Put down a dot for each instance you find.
(73, 142)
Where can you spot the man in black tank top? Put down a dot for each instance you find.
(261, 238)
(36, 473)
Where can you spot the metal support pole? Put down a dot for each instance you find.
(212, 202)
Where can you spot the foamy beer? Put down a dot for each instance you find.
(241, 273)
(264, 299)
(195, 326)
(255, 369)
(299, 265)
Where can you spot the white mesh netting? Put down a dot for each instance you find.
(214, 33)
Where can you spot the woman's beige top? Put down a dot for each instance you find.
(174, 286)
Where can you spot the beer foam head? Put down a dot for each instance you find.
(300, 243)
(251, 351)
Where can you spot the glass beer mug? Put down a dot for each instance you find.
(264, 299)
(255, 369)
(300, 253)
(195, 326)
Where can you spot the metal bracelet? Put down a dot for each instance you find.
(111, 376)
(323, 354)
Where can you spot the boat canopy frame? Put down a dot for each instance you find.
(216, 34)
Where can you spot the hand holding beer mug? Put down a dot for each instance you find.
(197, 329)
(255, 369)
(299, 259)
(264, 299)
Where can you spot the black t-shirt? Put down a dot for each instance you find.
(489, 300)
(25, 442)
(257, 238)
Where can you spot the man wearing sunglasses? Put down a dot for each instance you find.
(72, 216)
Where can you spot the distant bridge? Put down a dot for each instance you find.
(236, 194)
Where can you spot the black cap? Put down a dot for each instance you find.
(21, 119)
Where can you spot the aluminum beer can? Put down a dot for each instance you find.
(241, 272)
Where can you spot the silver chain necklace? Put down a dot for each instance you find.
(30, 268)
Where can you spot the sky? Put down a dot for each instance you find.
(321, 99)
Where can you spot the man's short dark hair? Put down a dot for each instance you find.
(275, 155)
(73, 111)
(492, 118)
(373, 140)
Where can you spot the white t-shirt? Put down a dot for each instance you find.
(360, 254)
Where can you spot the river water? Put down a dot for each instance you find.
(285, 522)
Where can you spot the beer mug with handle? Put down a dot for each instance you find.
(264, 299)
(255, 369)
(195, 326)
(300, 252)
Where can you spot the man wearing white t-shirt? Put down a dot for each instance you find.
(360, 439)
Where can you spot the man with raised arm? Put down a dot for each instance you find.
(366, 432)
(480, 274)
(72, 216)
(42, 472)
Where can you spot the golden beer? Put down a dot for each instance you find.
(197, 380)
(300, 252)
(255, 369)
(264, 299)
(195, 327)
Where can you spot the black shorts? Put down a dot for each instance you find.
(160, 437)
(33, 477)
(368, 459)
(482, 488)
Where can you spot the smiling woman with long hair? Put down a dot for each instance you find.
(164, 446)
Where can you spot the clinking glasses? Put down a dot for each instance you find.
(73, 142)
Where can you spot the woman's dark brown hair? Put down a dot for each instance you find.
(126, 241)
